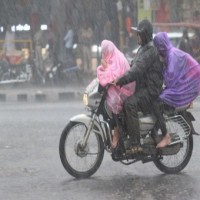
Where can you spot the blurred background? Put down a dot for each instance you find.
(56, 42)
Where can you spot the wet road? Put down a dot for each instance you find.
(30, 166)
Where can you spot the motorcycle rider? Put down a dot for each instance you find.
(147, 72)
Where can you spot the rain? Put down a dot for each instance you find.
(58, 136)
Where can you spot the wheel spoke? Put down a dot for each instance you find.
(81, 160)
(175, 163)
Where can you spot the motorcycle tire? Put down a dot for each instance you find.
(180, 166)
(6, 77)
(67, 153)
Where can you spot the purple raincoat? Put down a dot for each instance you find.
(181, 73)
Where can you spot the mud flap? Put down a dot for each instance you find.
(190, 116)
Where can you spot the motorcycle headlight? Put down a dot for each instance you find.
(85, 99)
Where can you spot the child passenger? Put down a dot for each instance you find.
(113, 65)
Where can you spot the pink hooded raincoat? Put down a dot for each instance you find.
(117, 65)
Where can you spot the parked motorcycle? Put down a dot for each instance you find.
(12, 73)
(86, 136)
(61, 74)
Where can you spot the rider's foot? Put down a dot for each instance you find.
(164, 142)
(115, 138)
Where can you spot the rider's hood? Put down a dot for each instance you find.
(162, 43)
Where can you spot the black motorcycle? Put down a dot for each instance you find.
(86, 136)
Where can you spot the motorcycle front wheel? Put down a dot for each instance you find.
(173, 164)
(79, 161)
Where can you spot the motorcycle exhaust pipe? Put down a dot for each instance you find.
(178, 141)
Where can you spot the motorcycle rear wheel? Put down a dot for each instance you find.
(173, 164)
(80, 162)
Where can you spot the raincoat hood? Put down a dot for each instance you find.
(181, 73)
(116, 61)
(162, 43)
(145, 30)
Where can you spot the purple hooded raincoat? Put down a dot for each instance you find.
(181, 73)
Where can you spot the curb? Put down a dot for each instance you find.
(41, 97)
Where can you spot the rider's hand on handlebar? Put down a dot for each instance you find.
(119, 82)
(114, 82)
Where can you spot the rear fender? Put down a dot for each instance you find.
(190, 116)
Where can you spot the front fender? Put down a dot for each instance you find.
(83, 118)
(86, 119)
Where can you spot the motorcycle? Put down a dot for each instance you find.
(14, 72)
(62, 74)
(86, 137)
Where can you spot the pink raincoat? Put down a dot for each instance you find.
(116, 65)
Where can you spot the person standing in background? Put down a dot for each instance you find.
(39, 43)
(195, 42)
(184, 43)
(68, 39)
(51, 41)
(85, 41)
(9, 44)
(107, 30)
(130, 40)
